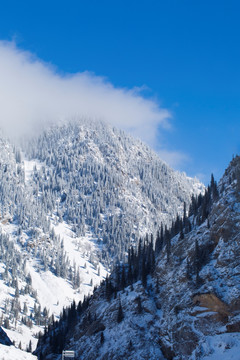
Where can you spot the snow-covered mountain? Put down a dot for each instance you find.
(179, 302)
(72, 201)
(42, 265)
(103, 182)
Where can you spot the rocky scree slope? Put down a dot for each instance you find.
(187, 307)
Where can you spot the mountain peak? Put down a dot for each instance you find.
(74, 199)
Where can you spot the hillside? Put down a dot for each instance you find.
(179, 302)
(72, 200)
(101, 181)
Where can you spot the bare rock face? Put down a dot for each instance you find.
(185, 340)
(235, 327)
(212, 303)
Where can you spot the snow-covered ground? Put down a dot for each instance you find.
(53, 292)
(29, 166)
(12, 353)
(219, 347)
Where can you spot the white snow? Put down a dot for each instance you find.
(219, 347)
(29, 166)
(53, 292)
(12, 353)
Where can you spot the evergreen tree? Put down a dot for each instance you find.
(213, 187)
(181, 236)
(157, 286)
(168, 244)
(120, 315)
(102, 338)
(144, 274)
(139, 305)
(29, 348)
(123, 278)
(197, 262)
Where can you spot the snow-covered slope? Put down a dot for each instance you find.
(107, 184)
(187, 308)
(12, 353)
(72, 200)
(31, 290)
(32, 285)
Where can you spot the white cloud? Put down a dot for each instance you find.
(175, 159)
(203, 177)
(32, 92)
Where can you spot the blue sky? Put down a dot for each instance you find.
(185, 55)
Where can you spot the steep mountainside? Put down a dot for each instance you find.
(103, 182)
(182, 305)
(71, 202)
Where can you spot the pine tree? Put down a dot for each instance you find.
(144, 273)
(130, 275)
(130, 345)
(6, 323)
(29, 348)
(25, 308)
(120, 315)
(139, 305)
(102, 338)
(197, 262)
(123, 278)
(181, 236)
(214, 189)
(168, 244)
(17, 290)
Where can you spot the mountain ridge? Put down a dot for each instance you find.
(136, 176)
(62, 223)
(187, 307)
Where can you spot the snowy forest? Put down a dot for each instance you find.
(73, 201)
(86, 319)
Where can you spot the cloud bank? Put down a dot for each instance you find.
(33, 92)
(173, 158)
